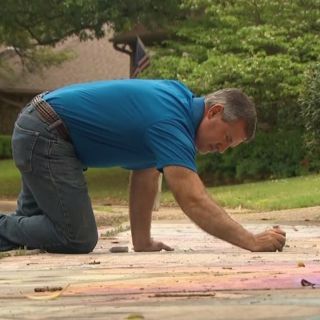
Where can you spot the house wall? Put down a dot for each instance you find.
(92, 60)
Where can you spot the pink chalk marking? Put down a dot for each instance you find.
(252, 277)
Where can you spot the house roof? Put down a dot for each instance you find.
(147, 36)
(94, 60)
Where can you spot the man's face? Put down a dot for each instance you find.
(216, 135)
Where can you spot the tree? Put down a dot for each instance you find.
(262, 46)
(28, 27)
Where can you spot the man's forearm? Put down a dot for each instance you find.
(192, 197)
(143, 190)
(213, 219)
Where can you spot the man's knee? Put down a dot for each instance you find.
(86, 245)
(89, 245)
(78, 245)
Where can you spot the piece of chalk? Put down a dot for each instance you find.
(118, 249)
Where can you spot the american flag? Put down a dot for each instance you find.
(141, 59)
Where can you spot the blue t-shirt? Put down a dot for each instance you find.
(133, 123)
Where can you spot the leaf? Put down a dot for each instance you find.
(48, 297)
(306, 283)
(47, 289)
(135, 316)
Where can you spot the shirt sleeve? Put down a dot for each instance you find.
(171, 144)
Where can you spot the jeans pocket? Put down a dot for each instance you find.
(66, 168)
(23, 142)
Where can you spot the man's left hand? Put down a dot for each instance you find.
(153, 246)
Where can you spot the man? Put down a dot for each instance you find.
(147, 126)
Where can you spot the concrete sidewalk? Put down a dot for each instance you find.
(204, 278)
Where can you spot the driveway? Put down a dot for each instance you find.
(204, 278)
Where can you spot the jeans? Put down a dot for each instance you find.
(54, 211)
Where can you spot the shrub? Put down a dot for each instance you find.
(310, 103)
(5, 147)
(271, 155)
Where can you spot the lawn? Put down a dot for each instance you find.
(279, 194)
(106, 185)
(109, 186)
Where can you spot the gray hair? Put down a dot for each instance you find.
(237, 106)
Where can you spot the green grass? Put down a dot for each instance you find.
(289, 193)
(18, 252)
(113, 232)
(106, 185)
(103, 183)
(9, 180)
(110, 186)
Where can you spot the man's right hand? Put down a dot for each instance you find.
(269, 240)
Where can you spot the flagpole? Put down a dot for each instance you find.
(139, 60)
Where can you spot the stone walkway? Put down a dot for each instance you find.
(204, 278)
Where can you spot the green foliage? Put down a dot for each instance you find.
(45, 57)
(271, 155)
(261, 46)
(5, 147)
(310, 101)
(26, 25)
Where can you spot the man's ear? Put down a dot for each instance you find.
(214, 109)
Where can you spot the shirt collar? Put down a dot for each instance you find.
(198, 110)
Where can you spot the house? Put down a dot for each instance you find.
(92, 60)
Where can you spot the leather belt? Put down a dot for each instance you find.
(50, 116)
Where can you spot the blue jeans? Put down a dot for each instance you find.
(54, 211)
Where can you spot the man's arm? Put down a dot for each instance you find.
(143, 190)
(191, 195)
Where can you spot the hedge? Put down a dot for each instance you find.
(310, 102)
(271, 155)
(5, 147)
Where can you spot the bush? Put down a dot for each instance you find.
(310, 102)
(271, 155)
(5, 147)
